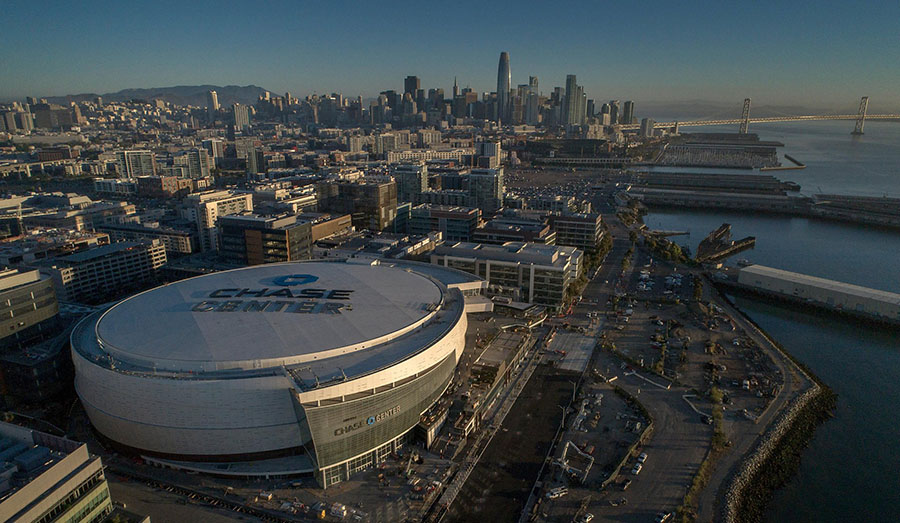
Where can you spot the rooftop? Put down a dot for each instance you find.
(209, 323)
(822, 283)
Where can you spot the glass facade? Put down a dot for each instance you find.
(350, 436)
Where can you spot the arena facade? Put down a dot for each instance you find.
(331, 361)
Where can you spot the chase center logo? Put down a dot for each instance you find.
(280, 299)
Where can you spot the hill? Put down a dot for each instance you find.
(180, 95)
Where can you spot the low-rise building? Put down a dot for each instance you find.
(502, 230)
(46, 478)
(456, 224)
(104, 273)
(177, 241)
(582, 230)
(252, 239)
(528, 272)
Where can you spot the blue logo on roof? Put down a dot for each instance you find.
(295, 279)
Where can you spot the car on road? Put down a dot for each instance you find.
(617, 502)
(706, 419)
(637, 469)
(626, 483)
(642, 458)
(586, 518)
(662, 517)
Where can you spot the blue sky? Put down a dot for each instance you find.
(800, 53)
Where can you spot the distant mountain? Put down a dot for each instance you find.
(180, 95)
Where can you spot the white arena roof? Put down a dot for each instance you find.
(257, 317)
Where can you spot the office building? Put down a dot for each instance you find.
(132, 164)
(45, 478)
(251, 239)
(412, 181)
(103, 273)
(456, 224)
(28, 307)
(647, 127)
(327, 366)
(509, 229)
(581, 230)
(628, 113)
(526, 272)
(614, 113)
(371, 204)
(504, 80)
(574, 106)
(411, 85)
(205, 208)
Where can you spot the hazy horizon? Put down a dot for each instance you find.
(659, 51)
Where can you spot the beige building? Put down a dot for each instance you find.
(206, 207)
(63, 482)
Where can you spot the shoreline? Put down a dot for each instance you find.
(775, 458)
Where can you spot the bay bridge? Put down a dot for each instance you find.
(744, 121)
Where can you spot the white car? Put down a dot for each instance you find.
(637, 469)
(587, 517)
(642, 458)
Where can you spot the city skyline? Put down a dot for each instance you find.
(682, 57)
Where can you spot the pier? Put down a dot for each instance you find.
(820, 293)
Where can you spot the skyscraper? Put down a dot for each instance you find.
(212, 105)
(614, 112)
(455, 88)
(503, 83)
(575, 102)
(411, 84)
(628, 112)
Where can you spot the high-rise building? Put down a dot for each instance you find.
(412, 180)
(212, 105)
(647, 127)
(504, 79)
(196, 162)
(135, 163)
(205, 208)
(486, 189)
(411, 84)
(614, 112)
(455, 88)
(574, 107)
(628, 113)
(372, 204)
(241, 117)
(591, 109)
(216, 148)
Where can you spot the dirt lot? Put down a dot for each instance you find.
(499, 486)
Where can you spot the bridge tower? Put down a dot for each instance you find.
(745, 117)
(861, 116)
